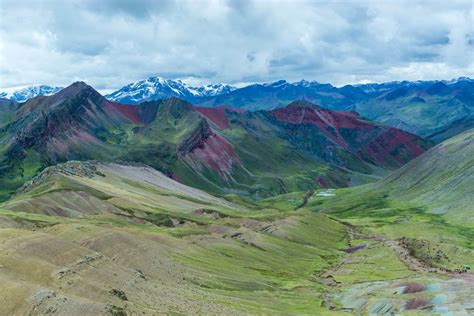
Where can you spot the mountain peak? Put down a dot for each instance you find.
(78, 84)
(437, 88)
(78, 88)
(306, 83)
(276, 84)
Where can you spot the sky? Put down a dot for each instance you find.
(109, 43)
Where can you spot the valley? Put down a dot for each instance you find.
(165, 207)
(144, 243)
(218, 157)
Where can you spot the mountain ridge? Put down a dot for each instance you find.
(227, 152)
(420, 107)
(335, 125)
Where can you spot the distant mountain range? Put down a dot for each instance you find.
(155, 88)
(26, 93)
(262, 96)
(422, 107)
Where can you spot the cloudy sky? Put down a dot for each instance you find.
(109, 43)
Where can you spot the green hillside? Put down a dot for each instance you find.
(442, 180)
(434, 191)
(108, 238)
(423, 212)
(97, 238)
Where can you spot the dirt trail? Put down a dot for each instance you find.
(404, 255)
(418, 266)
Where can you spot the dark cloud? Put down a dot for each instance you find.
(109, 43)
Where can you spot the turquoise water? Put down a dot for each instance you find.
(439, 299)
(433, 287)
(400, 290)
(444, 311)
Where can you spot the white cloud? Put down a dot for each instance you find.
(109, 43)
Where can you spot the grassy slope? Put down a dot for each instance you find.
(417, 219)
(428, 200)
(273, 162)
(396, 218)
(116, 231)
(442, 179)
(403, 242)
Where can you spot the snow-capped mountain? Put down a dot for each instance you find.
(25, 93)
(155, 88)
(212, 89)
(405, 84)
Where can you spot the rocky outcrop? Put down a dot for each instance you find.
(194, 139)
(86, 169)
